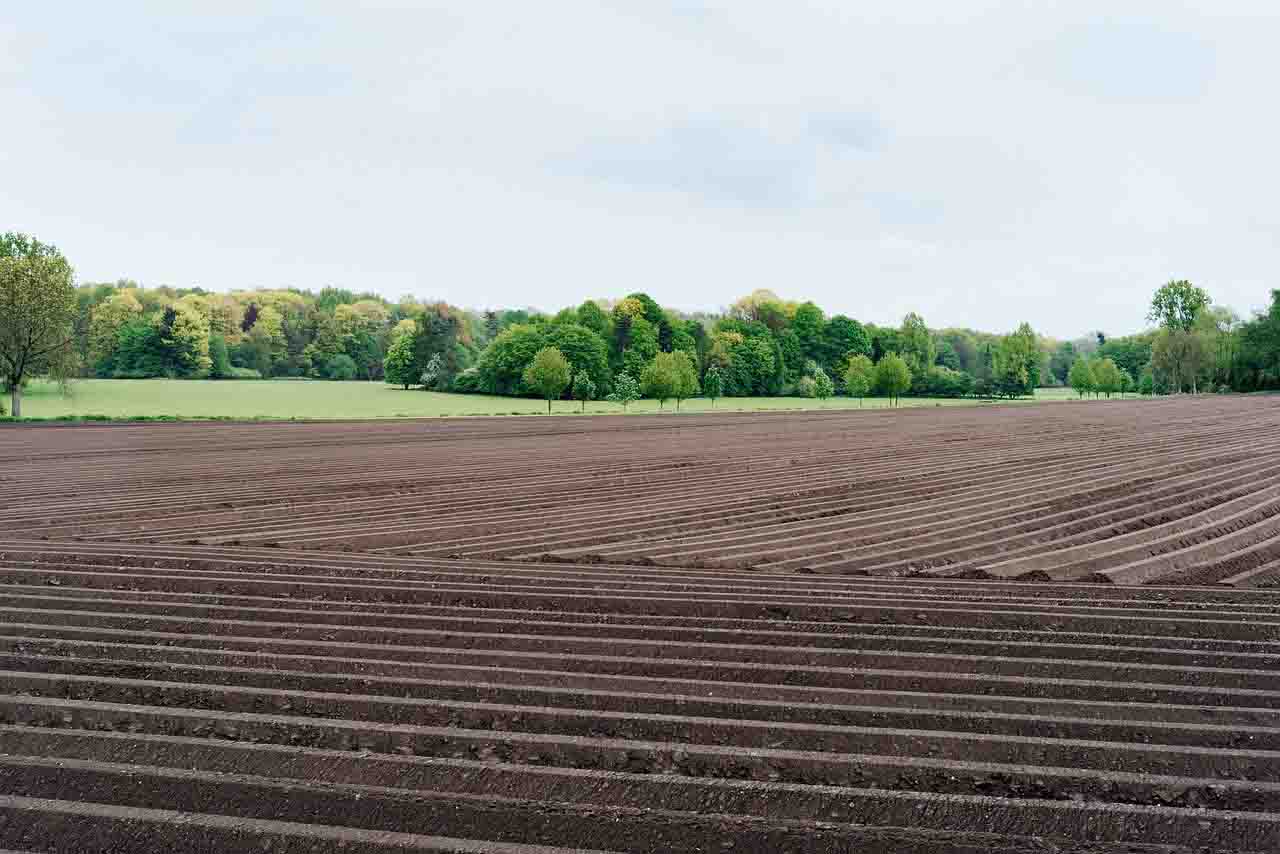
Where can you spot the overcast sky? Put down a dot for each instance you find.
(982, 163)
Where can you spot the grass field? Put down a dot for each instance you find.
(303, 399)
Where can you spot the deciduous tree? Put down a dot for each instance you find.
(1081, 377)
(584, 388)
(625, 390)
(686, 377)
(712, 384)
(37, 310)
(661, 378)
(397, 367)
(893, 377)
(859, 375)
(548, 374)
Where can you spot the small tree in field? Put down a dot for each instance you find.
(859, 377)
(37, 308)
(583, 388)
(686, 378)
(1081, 377)
(893, 377)
(1126, 383)
(548, 374)
(661, 378)
(713, 384)
(1106, 376)
(625, 390)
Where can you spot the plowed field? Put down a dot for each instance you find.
(752, 633)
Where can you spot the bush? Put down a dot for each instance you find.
(341, 367)
(938, 381)
(244, 374)
(468, 382)
(805, 387)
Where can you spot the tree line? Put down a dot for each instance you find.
(621, 349)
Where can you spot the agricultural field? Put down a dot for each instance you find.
(302, 399)
(989, 629)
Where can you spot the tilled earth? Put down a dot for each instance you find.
(794, 633)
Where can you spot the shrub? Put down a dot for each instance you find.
(341, 367)
(469, 381)
(244, 374)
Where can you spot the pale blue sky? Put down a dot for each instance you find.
(982, 163)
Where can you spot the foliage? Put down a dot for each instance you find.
(823, 387)
(219, 359)
(713, 384)
(548, 374)
(1177, 304)
(686, 377)
(585, 350)
(397, 367)
(1180, 356)
(859, 376)
(37, 311)
(1081, 377)
(893, 376)
(340, 367)
(940, 381)
(432, 375)
(1017, 362)
(625, 390)
(1107, 377)
(915, 344)
(661, 378)
(184, 334)
(584, 388)
(842, 337)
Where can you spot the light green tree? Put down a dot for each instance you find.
(661, 378)
(186, 334)
(713, 384)
(1018, 361)
(893, 377)
(548, 374)
(916, 341)
(686, 377)
(859, 375)
(584, 388)
(1081, 377)
(1106, 376)
(37, 309)
(823, 387)
(105, 323)
(625, 390)
(397, 367)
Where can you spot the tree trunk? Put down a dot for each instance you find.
(16, 400)
(548, 406)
